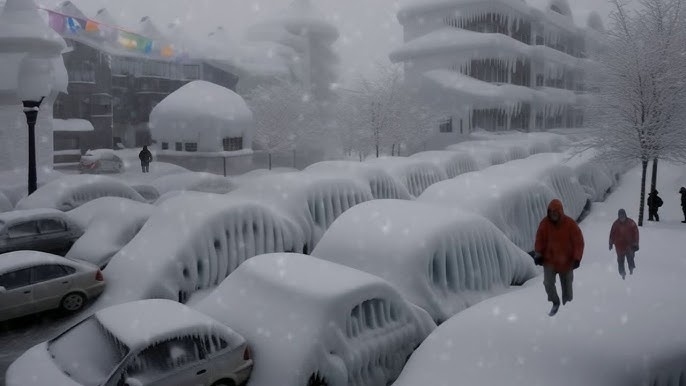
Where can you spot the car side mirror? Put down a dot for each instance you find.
(133, 382)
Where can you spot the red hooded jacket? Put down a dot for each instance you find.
(624, 236)
(560, 243)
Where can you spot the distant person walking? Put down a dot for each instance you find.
(559, 249)
(146, 158)
(624, 238)
(683, 202)
(654, 204)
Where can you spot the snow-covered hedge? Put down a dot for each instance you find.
(514, 196)
(451, 162)
(415, 174)
(442, 260)
(307, 319)
(312, 200)
(110, 223)
(192, 242)
(69, 192)
(382, 184)
(5, 204)
(193, 181)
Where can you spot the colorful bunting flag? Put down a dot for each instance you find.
(92, 26)
(74, 25)
(56, 22)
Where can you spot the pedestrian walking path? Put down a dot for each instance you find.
(614, 332)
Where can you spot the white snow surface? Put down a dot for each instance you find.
(80, 125)
(415, 174)
(467, 257)
(382, 184)
(204, 113)
(110, 223)
(615, 333)
(514, 196)
(192, 242)
(148, 192)
(5, 203)
(302, 315)
(194, 181)
(69, 192)
(453, 163)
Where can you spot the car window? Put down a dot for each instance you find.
(213, 344)
(24, 229)
(51, 226)
(16, 279)
(166, 356)
(43, 273)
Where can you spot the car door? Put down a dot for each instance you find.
(17, 297)
(23, 235)
(175, 362)
(50, 282)
(54, 235)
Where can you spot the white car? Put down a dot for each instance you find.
(101, 161)
(47, 230)
(143, 343)
(32, 282)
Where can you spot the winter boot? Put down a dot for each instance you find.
(554, 310)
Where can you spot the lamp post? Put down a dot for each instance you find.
(23, 31)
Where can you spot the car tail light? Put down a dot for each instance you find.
(246, 354)
(98, 276)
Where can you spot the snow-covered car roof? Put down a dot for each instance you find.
(140, 323)
(102, 153)
(415, 174)
(382, 184)
(30, 214)
(453, 163)
(22, 259)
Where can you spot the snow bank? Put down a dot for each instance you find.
(194, 181)
(382, 184)
(312, 200)
(415, 174)
(305, 317)
(441, 260)
(514, 196)
(110, 224)
(5, 204)
(70, 192)
(451, 162)
(61, 125)
(193, 242)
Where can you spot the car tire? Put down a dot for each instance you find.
(225, 382)
(73, 302)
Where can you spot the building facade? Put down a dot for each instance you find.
(497, 64)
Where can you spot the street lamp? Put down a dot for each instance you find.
(24, 31)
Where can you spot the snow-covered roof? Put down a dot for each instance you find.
(22, 26)
(136, 323)
(21, 259)
(59, 125)
(203, 111)
(29, 214)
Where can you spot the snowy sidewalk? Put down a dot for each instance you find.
(614, 332)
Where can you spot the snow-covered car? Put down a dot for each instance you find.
(32, 282)
(46, 230)
(416, 174)
(101, 161)
(144, 343)
(313, 322)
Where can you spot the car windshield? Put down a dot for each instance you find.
(88, 353)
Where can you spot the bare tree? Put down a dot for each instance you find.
(640, 111)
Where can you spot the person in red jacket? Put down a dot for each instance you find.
(559, 249)
(624, 237)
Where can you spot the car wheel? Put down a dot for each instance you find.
(226, 382)
(317, 379)
(72, 302)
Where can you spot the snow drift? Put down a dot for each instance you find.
(451, 162)
(415, 174)
(441, 260)
(69, 192)
(381, 183)
(193, 242)
(110, 223)
(194, 181)
(307, 319)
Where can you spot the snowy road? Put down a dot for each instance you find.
(614, 332)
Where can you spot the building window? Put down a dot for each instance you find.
(101, 105)
(233, 144)
(191, 146)
(446, 126)
(539, 40)
(65, 143)
(539, 80)
(191, 71)
(179, 146)
(165, 145)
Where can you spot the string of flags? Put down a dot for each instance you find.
(69, 25)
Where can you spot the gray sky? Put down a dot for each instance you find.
(369, 28)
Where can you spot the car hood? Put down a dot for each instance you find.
(36, 367)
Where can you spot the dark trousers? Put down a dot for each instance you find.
(653, 215)
(683, 208)
(145, 167)
(629, 257)
(566, 280)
